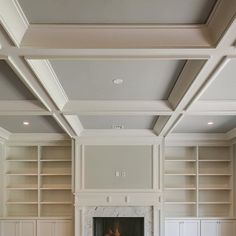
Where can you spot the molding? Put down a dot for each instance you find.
(4, 134)
(94, 107)
(116, 36)
(37, 137)
(75, 124)
(22, 107)
(122, 198)
(13, 20)
(216, 107)
(49, 80)
(160, 123)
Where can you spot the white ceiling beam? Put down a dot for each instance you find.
(13, 20)
(116, 36)
(94, 107)
(4, 134)
(22, 107)
(49, 80)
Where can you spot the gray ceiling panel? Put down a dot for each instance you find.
(198, 124)
(11, 88)
(38, 124)
(113, 11)
(143, 79)
(128, 122)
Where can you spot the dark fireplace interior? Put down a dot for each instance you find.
(118, 226)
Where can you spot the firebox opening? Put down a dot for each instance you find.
(118, 226)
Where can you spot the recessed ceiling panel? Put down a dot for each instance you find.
(36, 124)
(118, 122)
(223, 88)
(206, 124)
(117, 79)
(117, 11)
(11, 88)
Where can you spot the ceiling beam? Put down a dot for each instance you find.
(94, 107)
(13, 20)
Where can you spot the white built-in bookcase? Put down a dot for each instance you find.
(198, 181)
(37, 181)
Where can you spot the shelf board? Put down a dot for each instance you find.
(215, 174)
(215, 203)
(214, 160)
(21, 203)
(56, 160)
(181, 203)
(22, 160)
(20, 188)
(55, 174)
(184, 160)
(55, 188)
(214, 188)
(22, 174)
(180, 188)
(55, 203)
(179, 174)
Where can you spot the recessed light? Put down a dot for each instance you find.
(210, 123)
(117, 81)
(118, 127)
(26, 123)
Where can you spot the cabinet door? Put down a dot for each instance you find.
(190, 228)
(172, 228)
(28, 228)
(63, 228)
(45, 228)
(227, 228)
(10, 228)
(209, 228)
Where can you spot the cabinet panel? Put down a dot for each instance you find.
(28, 228)
(172, 228)
(45, 228)
(63, 228)
(10, 228)
(227, 228)
(209, 228)
(191, 228)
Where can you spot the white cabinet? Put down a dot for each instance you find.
(218, 228)
(182, 228)
(54, 228)
(18, 228)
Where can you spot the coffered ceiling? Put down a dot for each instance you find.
(155, 68)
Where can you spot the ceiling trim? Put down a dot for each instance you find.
(49, 80)
(22, 107)
(4, 134)
(216, 107)
(13, 20)
(74, 123)
(114, 107)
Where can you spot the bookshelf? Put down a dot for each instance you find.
(38, 181)
(198, 181)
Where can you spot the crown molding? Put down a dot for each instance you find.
(75, 123)
(4, 134)
(13, 20)
(37, 137)
(22, 107)
(49, 80)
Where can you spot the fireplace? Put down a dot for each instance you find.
(118, 226)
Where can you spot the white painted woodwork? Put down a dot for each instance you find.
(18, 228)
(182, 227)
(218, 227)
(54, 228)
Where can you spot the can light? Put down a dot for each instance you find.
(26, 123)
(117, 81)
(210, 123)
